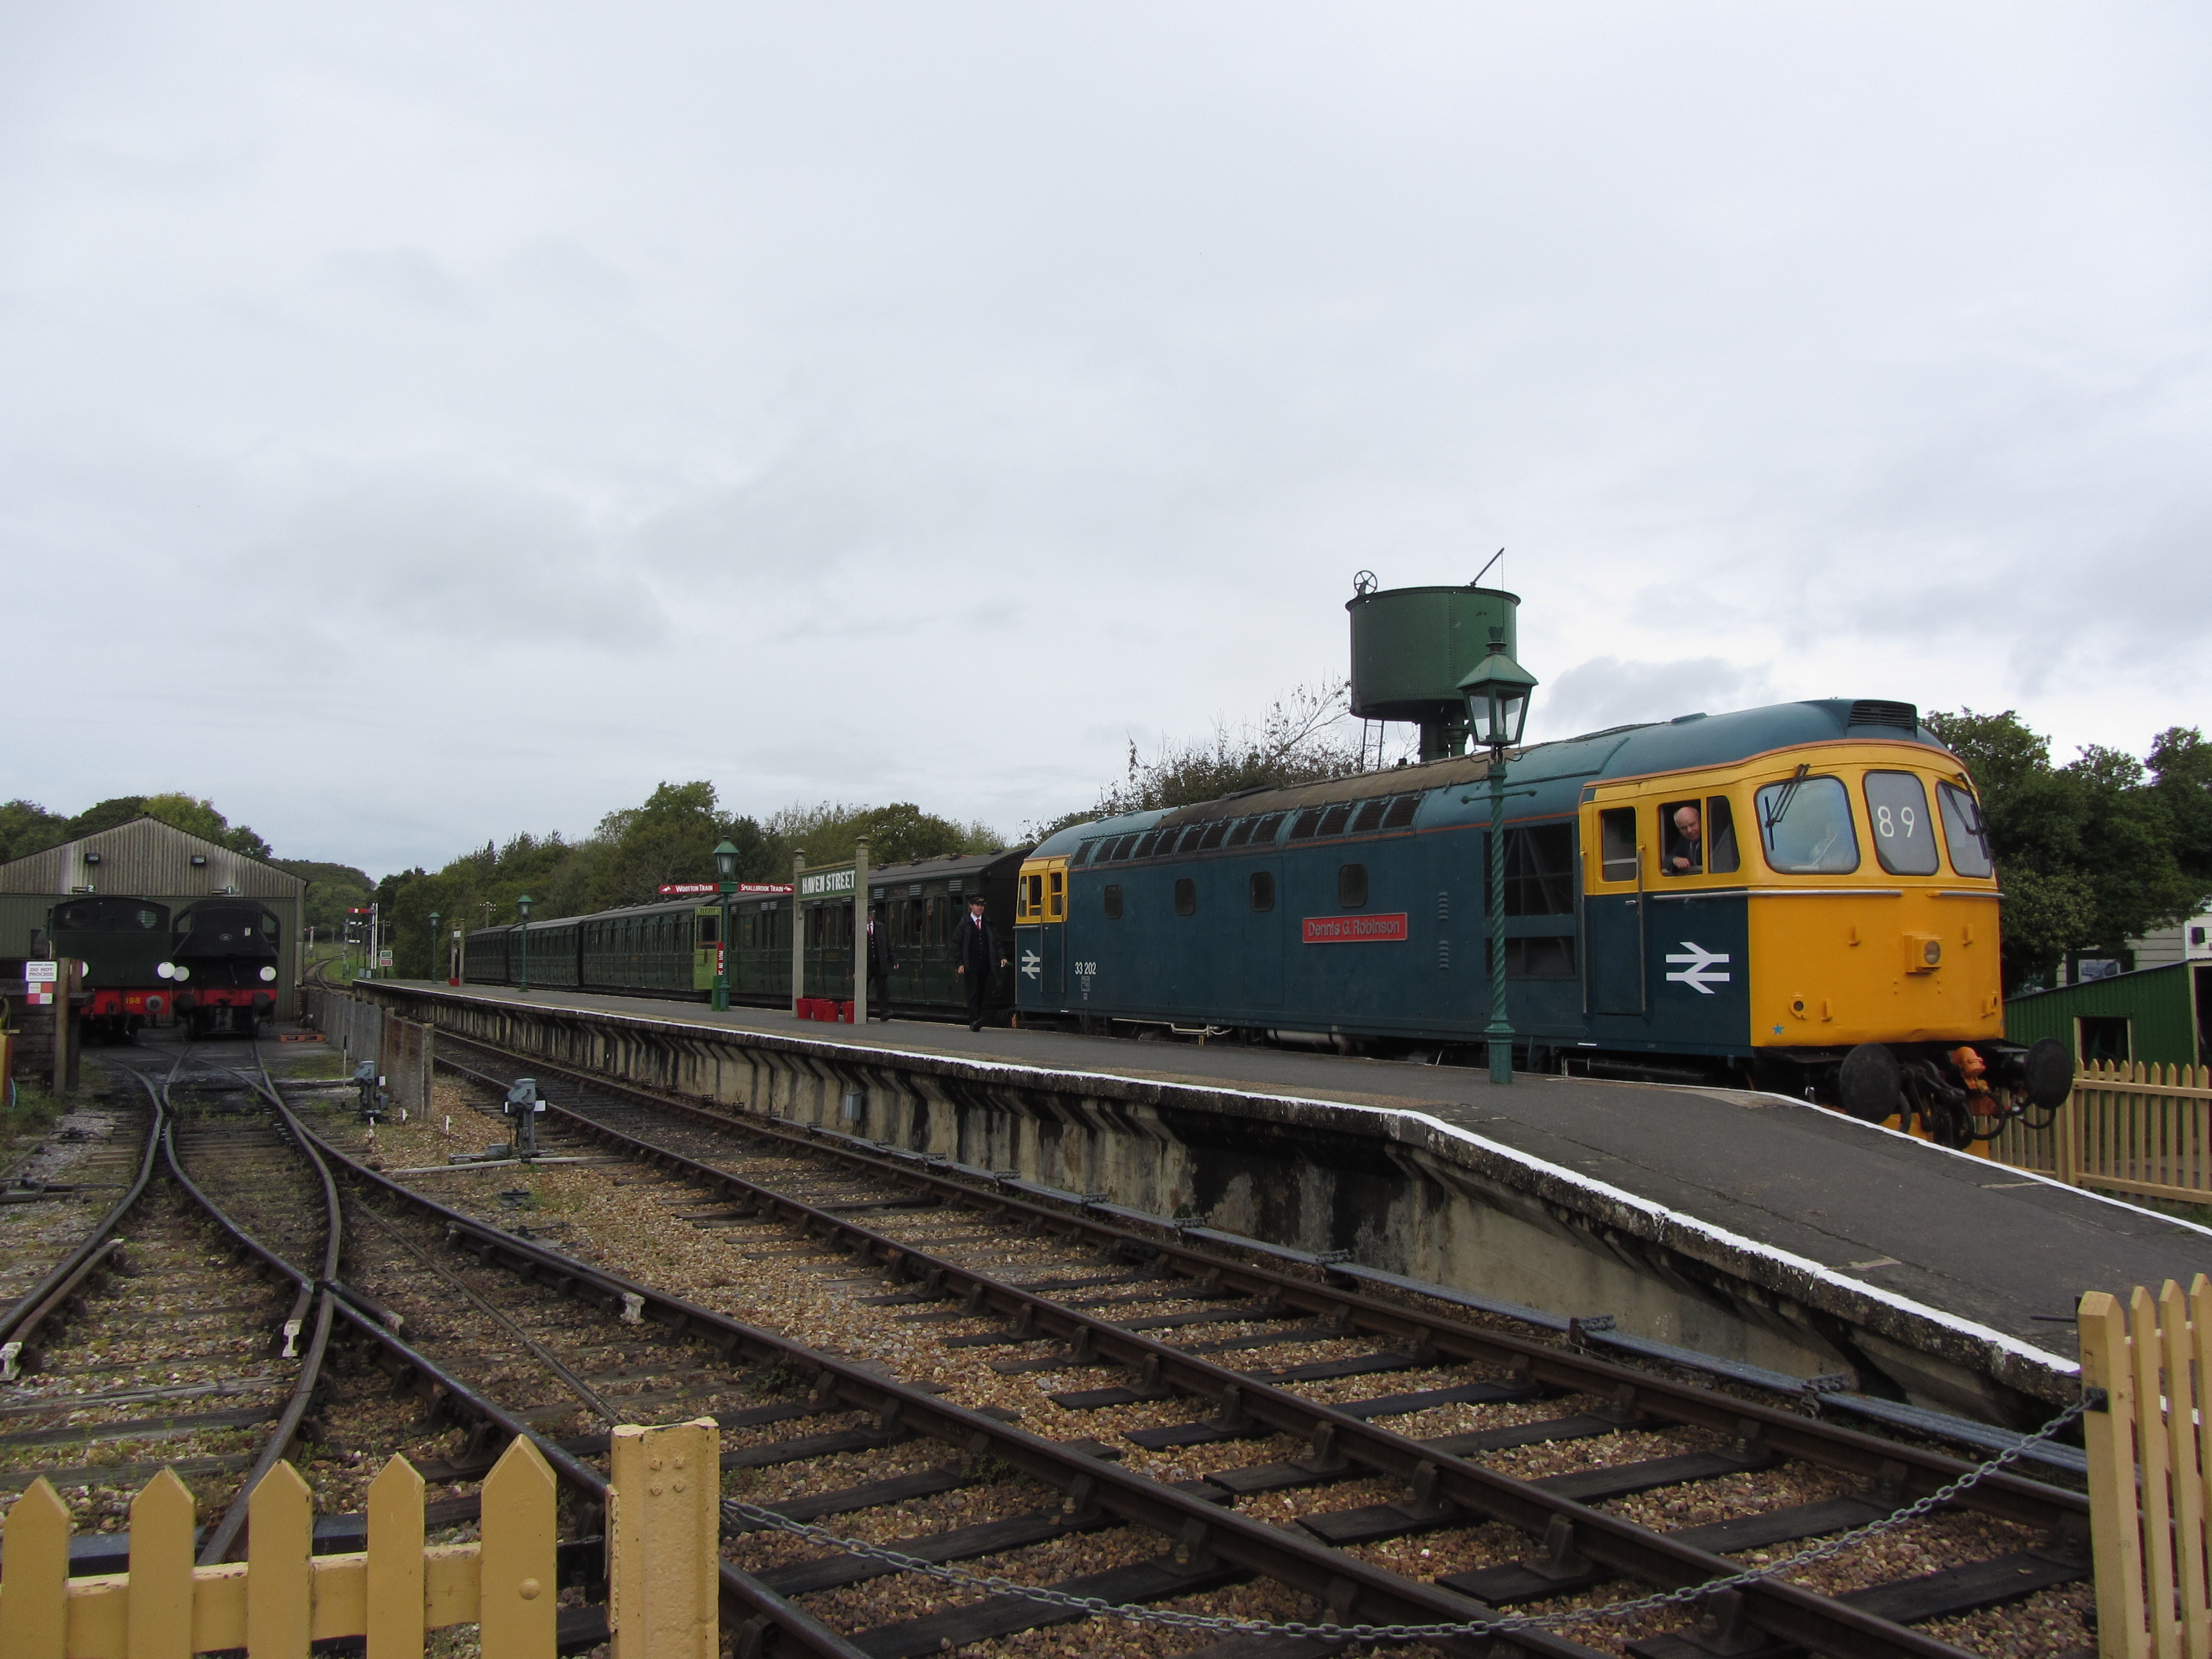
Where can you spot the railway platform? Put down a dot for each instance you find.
(1750, 1227)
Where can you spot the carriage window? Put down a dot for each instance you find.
(1616, 842)
(1964, 831)
(1241, 831)
(1059, 910)
(1351, 886)
(1186, 897)
(1681, 838)
(1897, 812)
(1401, 811)
(710, 930)
(1805, 828)
(1261, 890)
(1212, 838)
(1540, 871)
(1370, 817)
(1113, 902)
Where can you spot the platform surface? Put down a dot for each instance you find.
(1963, 1237)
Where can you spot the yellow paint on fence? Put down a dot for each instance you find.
(34, 1594)
(518, 1606)
(2149, 1492)
(396, 1611)
(158, 1624)
(663, 1531)
(2141, 1130)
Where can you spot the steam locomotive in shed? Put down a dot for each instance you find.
(214, 966)
(1799, 898)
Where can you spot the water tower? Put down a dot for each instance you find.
(1411, 646)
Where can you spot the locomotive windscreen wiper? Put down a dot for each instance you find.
(1781, 803)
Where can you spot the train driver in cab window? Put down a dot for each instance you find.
(1685, 838)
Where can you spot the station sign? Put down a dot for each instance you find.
(384, 958)
(823, 884)
(1355, 930)
(712, 890)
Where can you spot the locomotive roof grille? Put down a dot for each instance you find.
(1898, 716)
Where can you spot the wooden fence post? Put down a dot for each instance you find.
(2115, 1530)
(280, 1535)
(664, 1537)
(395, 1563)
(158, 1622)
(518, 1594)
(34, 1594)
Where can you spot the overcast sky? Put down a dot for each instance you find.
(420, 423)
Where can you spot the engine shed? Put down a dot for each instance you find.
(146, 858)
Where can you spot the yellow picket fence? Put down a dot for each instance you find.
(663, 1527)
(2141, 1130)
(2149, 1490)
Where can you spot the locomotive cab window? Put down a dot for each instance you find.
(1721, 858)
(1616, 841)
(1964, 832)
(1186, 896)
(1805, 827)
(1897, 812)
(1682, 838)
(1056, 908)
(1351, 886)
(1261, 890)
(1113, 902)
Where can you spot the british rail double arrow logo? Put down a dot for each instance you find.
(1700, 970)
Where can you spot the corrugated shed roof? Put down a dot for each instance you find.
(146, 856)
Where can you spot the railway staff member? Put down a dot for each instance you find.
(881, 966)
(1687, 856)
(975, 947)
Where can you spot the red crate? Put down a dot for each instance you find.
(844, 1012)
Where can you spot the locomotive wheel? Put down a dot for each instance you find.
(1868, 1083)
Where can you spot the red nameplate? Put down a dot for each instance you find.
(1354, 930)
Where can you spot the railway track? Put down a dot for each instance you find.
(1520, 1475)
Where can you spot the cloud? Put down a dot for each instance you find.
(1607, 691)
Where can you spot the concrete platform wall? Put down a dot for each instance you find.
(1398, 1190)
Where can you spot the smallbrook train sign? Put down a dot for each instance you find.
(1354, 930)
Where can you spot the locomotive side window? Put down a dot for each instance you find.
(1964, 832)
(1057, 910)
(1805, 828)
(1351, 886)
(1186, 897)
(1896, 812)
(1261, 890)
(1113, 902)
(1682, 838)
(1616, 842)
(1540, 871)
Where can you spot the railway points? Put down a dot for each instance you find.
(1749, 1227)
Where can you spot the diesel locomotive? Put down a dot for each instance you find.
(1799, 898)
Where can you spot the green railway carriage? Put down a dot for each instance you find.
(668, 949)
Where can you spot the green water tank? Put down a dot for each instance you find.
(1411, 646)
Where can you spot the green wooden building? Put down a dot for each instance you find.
(2155, 1015)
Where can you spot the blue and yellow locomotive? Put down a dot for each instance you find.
(1799, 898)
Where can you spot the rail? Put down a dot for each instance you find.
(2150, 1489)
(662, 1559)
(2137, 1130)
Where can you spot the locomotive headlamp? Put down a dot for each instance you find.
(268, 976)
(1496, 693)
(165, 971)
(726, 861)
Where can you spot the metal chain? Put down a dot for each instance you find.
(769, 1519)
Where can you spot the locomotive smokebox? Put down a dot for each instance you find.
(1411, 646)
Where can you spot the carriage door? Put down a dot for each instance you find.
(1613, 919)
(1039, 934)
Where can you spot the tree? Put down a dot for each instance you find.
(1298, 740)
(2103, 849)
(829, 833)
(27, 827)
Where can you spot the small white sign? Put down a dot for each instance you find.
(51, 972)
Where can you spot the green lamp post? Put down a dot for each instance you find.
(1496, 693)
(436, 941)
(522, 910)
(725, 879)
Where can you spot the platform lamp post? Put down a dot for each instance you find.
(522, 910)
(436, 940)
(726, 882)
(1496, 693)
